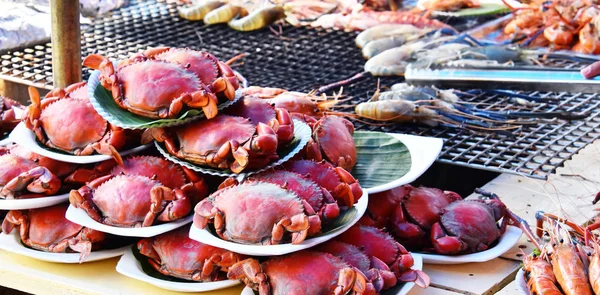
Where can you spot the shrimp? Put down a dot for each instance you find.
(380, 45)
(594, 269)
(541, 276)
(258, 19)
(224, 14)
(569, 271)
(401, 111)
(199, 11)
(388, 30)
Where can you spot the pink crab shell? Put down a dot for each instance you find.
(125, 199)
(11, 166)
(167, 173)
(72, 124)
(252, 209)
(305, 188)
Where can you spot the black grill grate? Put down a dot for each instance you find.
(304, 58)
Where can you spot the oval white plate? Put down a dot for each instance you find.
(12, 243)
(423, 152)
(129, 266)
(204, 236)
(79, 216)
(301, 131)
(25, 137)
(22, 204)
(521, 282)
(506, 242)
(418, 265)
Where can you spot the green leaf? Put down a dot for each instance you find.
(122, 118)
(381, 158)
(344, 218)
(484, 9)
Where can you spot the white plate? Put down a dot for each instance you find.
(506, 242)
(5, 141)
(129, 266)
(25, 137)
(12, 243)
(22, 204)
(423, 152)
(301, 131)
(521, 282)
(418, 265)
(79, 216)
(206, 237)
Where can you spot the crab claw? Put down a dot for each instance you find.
(82, 243)
(445, 244)
(37, 180)
(251, 273)
(179, 206)
(298, 225)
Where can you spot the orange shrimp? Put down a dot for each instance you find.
(569, 271)
(594, 270)
(541, 276)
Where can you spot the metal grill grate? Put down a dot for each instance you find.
(304, 58)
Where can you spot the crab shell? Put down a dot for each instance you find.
(333, 138)
(130, 201)
(67, 121)
(317, 197)
(8, 117)
(412, 221)
(376, 243)
(224, 142)
(383, 204)
(153, 88)
(468, 226)
(47, 229)
(175, 254)
(378, 272)
(24, 178)
(167, 173)
(341, 185)
(256, 212)
(302, 273)
(259, 111)
(217, 75)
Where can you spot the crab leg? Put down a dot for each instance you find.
(82, 198)
(298, 225)
(82, 243)
(250, 272)
(14, 218)
(37, 180)
(179, 206)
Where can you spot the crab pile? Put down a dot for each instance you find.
(432, 220)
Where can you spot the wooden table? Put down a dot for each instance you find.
(569, 192)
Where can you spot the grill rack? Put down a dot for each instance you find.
(302, 59)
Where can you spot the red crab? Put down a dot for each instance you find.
(130, 201)
(65, 120)
(412, 219)
(470, 226)
(48, 230)
(168, 174)
(236, 216)
(382, 206)
(259, 111)
(302, 273)
(154, 88)
(339, 182)
(8, 117)
(319, 199)
(332, 140)
(21, 176)
(222, 142)
(385, 250)
(175, 254)
(218, 76)
(378, 272)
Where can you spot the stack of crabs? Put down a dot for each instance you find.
(244, 133)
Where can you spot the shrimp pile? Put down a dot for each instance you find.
(559, 24)
(569, 263)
